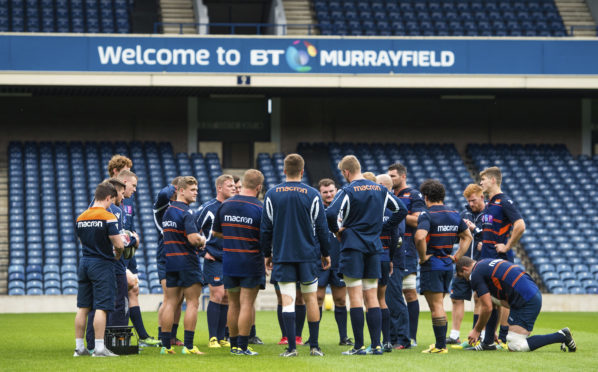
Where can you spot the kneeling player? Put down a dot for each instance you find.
(437, 232)
(497, 280)
(237, 223)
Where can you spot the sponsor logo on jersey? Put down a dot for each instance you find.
(169, 224)
(447, 228)
(84, 224)
(239, 219)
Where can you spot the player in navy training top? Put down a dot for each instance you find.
(460, 288)
(294, 238)
(503, 227)
(97, 229)
(330, 277)
(500, 281)
(212, 265)
(405, 263)
(356, 214)
(182, 241)
(162, 202)
(438, 230)
(237, 223)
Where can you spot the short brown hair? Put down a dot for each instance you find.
(369, 176)
(126, 174)
(349, 163)
(185, 181)
(293, 165)
(324, 182)
(118, 162)
(236, 179)
(471, 189)
(104, 190)
(223, 178)
(252, 179)
(463, 262)
(118, 184)
(492, 172)
(433, 190)
(400, 168)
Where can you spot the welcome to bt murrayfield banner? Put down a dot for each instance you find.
(298, 56)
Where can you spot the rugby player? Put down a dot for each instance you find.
(102, 244)
(500, 281)
(237, 224)
(212, 266)
(330, 277)
(503, 227)
(183, 273)
(460, 288)
(355, 216)
(437, 231)
(405, 263)
(163, 200)
(293, 225)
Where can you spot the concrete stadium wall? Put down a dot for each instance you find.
(90, 118)
(432, 119)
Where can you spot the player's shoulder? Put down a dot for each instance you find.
(96, 214)
(414, 193)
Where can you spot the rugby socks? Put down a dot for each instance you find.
(166, 339)
(475, 319)
(234, 342)
(79, 344)
(300, 313)
(243, 341)
(289, 328)
(385, 325)
(189, 339)
(491, 328)
(175, 328)
(535, 342)
(135, 314)
(213, 314)
(413, 309)
(440, 326)
(99, 345)
(159, 333)
(502, 334)
(374, 319)
(340, 315)
(280, 320)
(320, 313)
(314, 330)
(357, 324)
(222, 329)
(252, 332)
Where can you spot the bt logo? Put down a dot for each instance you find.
(298, 55)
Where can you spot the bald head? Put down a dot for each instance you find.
(384, 180)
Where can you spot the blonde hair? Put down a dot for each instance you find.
(472, 189)
(223, 178)
(350, 163)
(369, 176)
(492, 172)
(126, 174)
(252, 179)
(185, 181)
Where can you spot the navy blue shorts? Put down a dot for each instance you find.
(461, 289)
(212, 272)
(411, 264)
(97, 284)
(331, 277)
(161, 269)
(385, 273)
(244, 281)
(132, 265)
(357, 265)
(303, 272)
(526, 315)
(435, 281)
(184, 278)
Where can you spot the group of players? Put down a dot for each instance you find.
(365, 240)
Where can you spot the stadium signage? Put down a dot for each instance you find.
(317, 55)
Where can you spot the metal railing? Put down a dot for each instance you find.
(258, 27)
(582, 27)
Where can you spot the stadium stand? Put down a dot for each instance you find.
(439, 18)
(90, 16)
(273, 169)
(554, 191)
(59, 180)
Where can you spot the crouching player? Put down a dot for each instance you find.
(237, 223)
(497, 280)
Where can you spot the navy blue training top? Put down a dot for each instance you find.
(204, 217)
(408, 259)
(94, 226)
(160, 205)
(499, 215)
(177, 224)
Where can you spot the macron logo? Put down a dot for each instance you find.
(447, 228)
(84, 224)
(238, 219)
(166, 224)
(111, 55)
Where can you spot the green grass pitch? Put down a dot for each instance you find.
(46, 342)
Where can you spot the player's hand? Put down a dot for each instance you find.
(425, 259)
(268, 263)
(453, 258)
(202, 244)
(339, 233)
(209, 257)
(137, 239)
(469, 224)
(391, 269)
(479, 246)
(326, 263)
(473, 336)
(501, 248)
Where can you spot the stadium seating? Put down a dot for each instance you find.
(553, 190)
(91, 16)
(439, 18)
(60, 180)
(272, 167)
